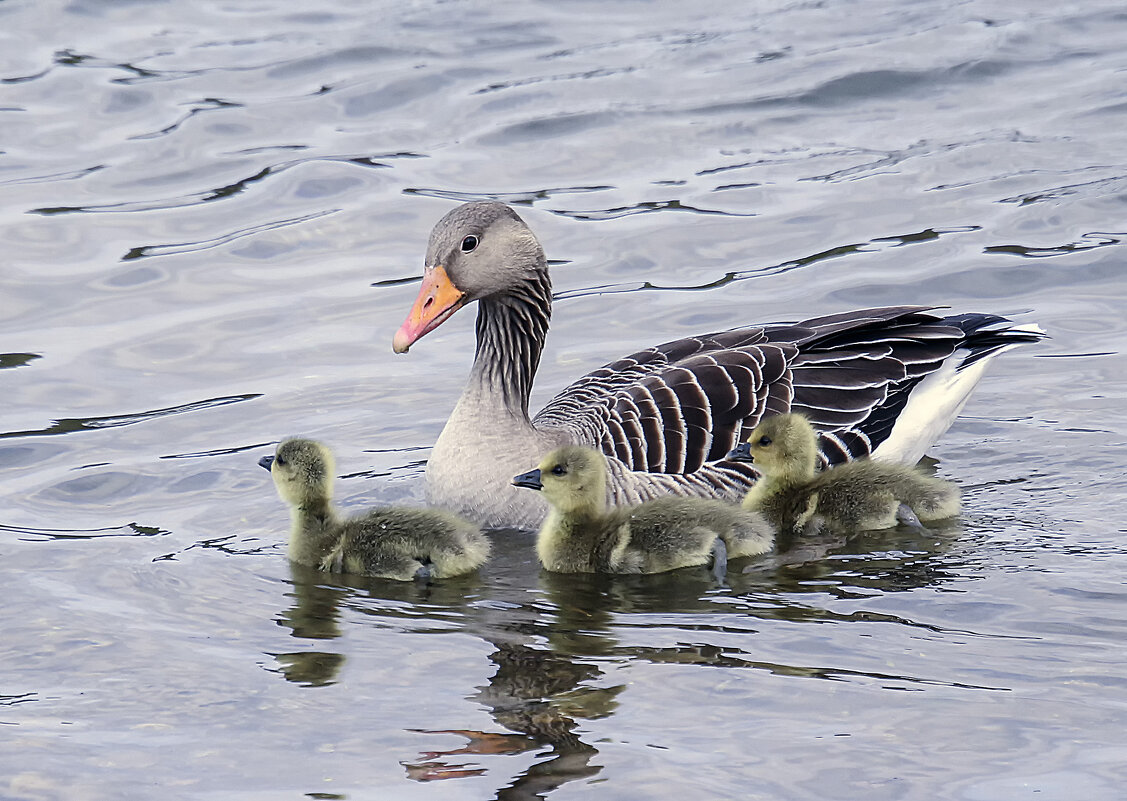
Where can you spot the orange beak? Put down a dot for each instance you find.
(438, 299)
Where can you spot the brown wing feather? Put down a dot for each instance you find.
(674, 407)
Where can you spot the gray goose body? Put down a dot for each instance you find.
(885, 382)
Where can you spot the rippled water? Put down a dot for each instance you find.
(214, 217)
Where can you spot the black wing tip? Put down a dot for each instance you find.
(988, 334)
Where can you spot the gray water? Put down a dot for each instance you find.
(213, 220)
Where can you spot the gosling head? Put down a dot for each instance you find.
(302, 471)
(573, 479)
(781, 445)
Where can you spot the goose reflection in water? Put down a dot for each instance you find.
(549, 644)
(535, 695)
(538, 694)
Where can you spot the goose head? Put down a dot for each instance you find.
(302, 470)
(781, 445)
(478, 250)
(573, 480)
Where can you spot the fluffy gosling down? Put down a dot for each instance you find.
(391, 542)
(855, 496)
(581, 535)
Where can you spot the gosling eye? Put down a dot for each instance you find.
(559, 470)
(469, 243)
(763, 442)
(280, 461)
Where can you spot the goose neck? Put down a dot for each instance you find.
(313, 532)
(511, 330)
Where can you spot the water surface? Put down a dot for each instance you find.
(214, 219)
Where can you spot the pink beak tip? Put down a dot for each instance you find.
(401, 342)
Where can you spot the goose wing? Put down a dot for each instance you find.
(673, 407)
(670, 408)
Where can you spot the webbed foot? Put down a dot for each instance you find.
(719, 559)
(906, 517)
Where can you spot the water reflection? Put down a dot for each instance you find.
(538, 694)
(8, 360)
(310, 668)
(552, 635)
(70, 425)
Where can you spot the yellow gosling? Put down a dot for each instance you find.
(581, 535)
(390, 542)
(856, 496)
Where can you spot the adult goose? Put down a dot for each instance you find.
(885, 382)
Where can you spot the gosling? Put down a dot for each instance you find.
(391, 542)
(581, 535)
(857, 496)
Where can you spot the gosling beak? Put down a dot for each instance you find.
(438, 299)
(266, 461)
(531, 479)
(740, 453)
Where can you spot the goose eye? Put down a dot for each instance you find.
(559, 470)
(764, 442)
(469, 243)
(280, 461)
